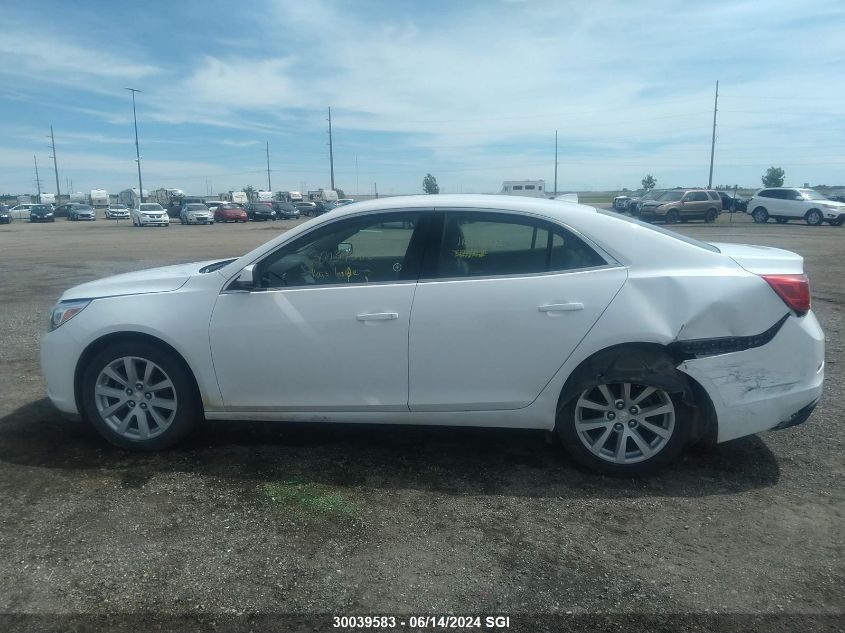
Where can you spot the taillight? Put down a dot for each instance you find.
(793, 289)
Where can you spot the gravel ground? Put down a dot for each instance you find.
(250, 518)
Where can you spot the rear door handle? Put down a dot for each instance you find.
(561, 307)
(378, 316)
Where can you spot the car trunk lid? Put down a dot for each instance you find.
(763, 260)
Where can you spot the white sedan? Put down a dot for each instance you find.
(149, 214)
(629, 340)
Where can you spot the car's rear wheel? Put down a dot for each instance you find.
(624, 428)
(711, 216)
(673, 217)
(139, 396)
(760, 215)
(814, 217)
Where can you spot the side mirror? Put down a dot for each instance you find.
(245, 280)
(345, 248)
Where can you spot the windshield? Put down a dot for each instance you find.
(812, 194)
(197, 207)
(652, 195)
(118, 207)
(151, 207)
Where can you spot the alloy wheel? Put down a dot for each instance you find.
(135, 398)
(624, 423)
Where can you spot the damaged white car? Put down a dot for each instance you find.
(628, 340)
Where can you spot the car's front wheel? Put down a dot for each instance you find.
(711, 216)
(623, 428)
(760, 215)
(673, 217)
(139, 396)
(814, 217)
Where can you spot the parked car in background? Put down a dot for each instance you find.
(5, 214)
(145, 356)
(343, 201)
(323, 207)
(620, 203)
(230, 212)
(213, 204)
(305, 207)
(78, 212)
(786, 203)
(285, 210)
(682, 205)
(731, 203)
(149, 214)
(633, 206)
(259, 211)
(117, 212)
(21, 211)
(61, 211)
(41, 213)
(195, 213)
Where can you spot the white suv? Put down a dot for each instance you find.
(149, 214)
(785, 204)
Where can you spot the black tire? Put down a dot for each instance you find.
(781, 220)
(673, 217)
(669, 451)
(814, 217)
(711, 216)
(188, 409)
(837, 222)
(760, 215)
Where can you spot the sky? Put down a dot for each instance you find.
(471, 92)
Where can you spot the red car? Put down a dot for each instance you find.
(230, 212)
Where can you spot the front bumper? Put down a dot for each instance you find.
(772, 386)
(646, 213)
(199, 219)
(163, 221)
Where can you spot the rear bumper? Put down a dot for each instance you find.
(773, 386)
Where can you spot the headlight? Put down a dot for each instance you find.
(65, 311)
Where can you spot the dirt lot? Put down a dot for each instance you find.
(295, 519)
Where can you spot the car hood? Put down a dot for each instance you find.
(166, 279)
(763, 260)
(833, 203)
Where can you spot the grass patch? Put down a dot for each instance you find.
(305, 500)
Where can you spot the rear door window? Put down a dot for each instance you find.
(485, 244)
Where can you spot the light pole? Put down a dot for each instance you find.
(137, 150)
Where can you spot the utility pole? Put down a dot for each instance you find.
(331, 149)
(269, 186)
(555, 163)
(356, 175)
(55, 165)
(37, 179)
(713, 140)
(137, 149)
(375, 189)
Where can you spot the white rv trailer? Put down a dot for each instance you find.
(533, 188)
(130, 197)
(99, 199)
(263, 196)
(323, 195)
(79, 197)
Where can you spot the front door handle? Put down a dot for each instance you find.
(561, 307)
(378, 316)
